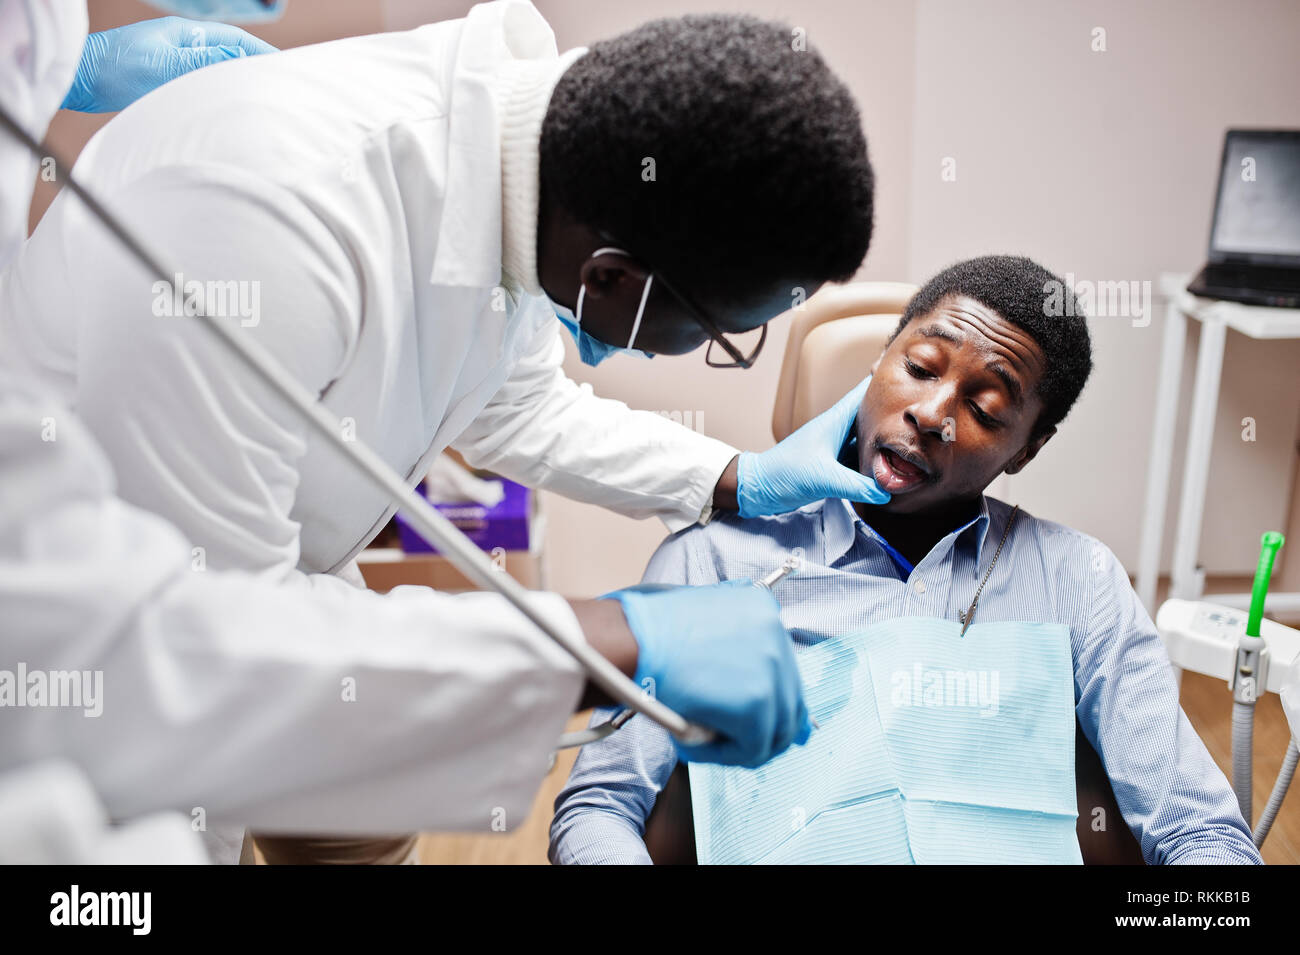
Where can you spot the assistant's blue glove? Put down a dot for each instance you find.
(720, 657)
(805, 466)
(119, 66)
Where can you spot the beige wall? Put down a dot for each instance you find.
(1097, 163)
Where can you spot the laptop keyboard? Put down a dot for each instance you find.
(1261, 278)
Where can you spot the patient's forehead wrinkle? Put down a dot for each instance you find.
(939, 331)
(960, 320)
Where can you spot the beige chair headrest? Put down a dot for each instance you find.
(834, 338)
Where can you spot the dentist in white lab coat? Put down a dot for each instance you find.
(208, 663)
(249, 674)
(380, 238)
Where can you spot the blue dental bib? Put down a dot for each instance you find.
(933, 748)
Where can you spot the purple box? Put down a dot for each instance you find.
(504, 526)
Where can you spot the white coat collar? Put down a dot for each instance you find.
(506, 68)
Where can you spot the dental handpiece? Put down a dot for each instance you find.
(788, 567)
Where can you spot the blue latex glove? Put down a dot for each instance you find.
(720, 657)
(119, 66)
(805, 466)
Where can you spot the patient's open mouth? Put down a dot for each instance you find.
(894, 474)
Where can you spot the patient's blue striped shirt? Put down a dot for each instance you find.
(1174, 798)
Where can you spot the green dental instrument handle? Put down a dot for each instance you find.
(1270, 543)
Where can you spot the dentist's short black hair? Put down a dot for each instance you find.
(760, 163)
(1029, 296)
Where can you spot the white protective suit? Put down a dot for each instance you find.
(331, 709)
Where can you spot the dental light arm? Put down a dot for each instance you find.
(463, 554)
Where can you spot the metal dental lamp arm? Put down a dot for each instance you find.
(462, 552)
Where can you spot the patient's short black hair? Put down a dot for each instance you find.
(1034, 299)
(760, 162)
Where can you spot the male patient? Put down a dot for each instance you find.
(972, 384)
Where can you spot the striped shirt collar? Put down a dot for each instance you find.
(840, 526)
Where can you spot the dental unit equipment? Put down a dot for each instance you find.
(1255, 656)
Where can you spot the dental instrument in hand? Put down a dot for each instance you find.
(788, 567)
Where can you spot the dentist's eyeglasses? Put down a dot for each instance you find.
(738, 359)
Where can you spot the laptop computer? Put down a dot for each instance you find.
(1255, 238)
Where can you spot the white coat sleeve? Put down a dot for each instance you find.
(340, 710)
(544, 430)
(40, 47)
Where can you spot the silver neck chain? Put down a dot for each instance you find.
(967, 616)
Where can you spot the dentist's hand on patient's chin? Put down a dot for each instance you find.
(718, 655)
(803, 468)
(119, 66)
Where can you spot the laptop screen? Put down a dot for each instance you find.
(1257, 216)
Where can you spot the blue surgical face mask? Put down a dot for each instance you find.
(230, 11)
(592, 350)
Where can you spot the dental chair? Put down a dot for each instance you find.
(834, 338)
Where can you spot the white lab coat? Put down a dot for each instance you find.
(40, 46)
(356, 189)
(49, 812)
(338, 711)
(50, 815)
(229, 697)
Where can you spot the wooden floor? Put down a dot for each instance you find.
(1208, 704)
(525, 845)
(1206, 701)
